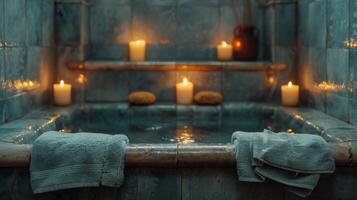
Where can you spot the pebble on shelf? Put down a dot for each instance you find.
(141, 98)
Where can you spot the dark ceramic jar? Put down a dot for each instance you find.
(245, 43)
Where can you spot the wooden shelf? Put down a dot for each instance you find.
(256, 66)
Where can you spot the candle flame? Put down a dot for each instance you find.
(185, 81)
(224, 44)
(138, 42)
(62, 83)
(290, 84)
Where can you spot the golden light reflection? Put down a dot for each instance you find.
(24, 85)
(184, 135)
(331, 86)
(350, 43)
(290, 131)
(65, 130)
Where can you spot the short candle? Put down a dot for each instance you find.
(62, 93)
(184, 92)
(224, 51)
(290, 94)
(137, 50)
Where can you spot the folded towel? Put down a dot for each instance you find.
(293, 160)
(63, 161)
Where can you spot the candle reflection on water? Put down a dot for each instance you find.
(184, 134)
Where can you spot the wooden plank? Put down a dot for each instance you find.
(257, 66)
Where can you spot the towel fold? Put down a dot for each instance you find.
(64, 161)
(293, 160)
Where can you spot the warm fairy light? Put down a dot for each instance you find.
(238, 44)
(25, 85)
(330, 86)
(62, 83)
(81, 79)
(351, 43)
(290, 84)
(271, 80)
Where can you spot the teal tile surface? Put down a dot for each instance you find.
(317, 28)
(337, 63)
(68, 24)
(197, 25)
(338, 23)
(15, 22)
(48, 21)
(109, 24)
(285, 28)
(155, 24)
(34, 23)
(2, 21)
(26, 26)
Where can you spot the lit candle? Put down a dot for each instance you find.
(137, 50)
(290, 94)
(184, 92)
(224, 51)
(62, 93)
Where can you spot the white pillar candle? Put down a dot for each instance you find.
(62, 93)
(137, 50)
(290, 94)
(184, 92)
(224, 51)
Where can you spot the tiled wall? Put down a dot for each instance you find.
(26, 53)
(327, 66)
(280, 38)
(175, 30)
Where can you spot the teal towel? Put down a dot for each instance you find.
(63, 161)
(293, 160)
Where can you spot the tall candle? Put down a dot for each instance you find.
(184, 92)
(224, 51)
(137, 50)
(62, 93)
(290, 94)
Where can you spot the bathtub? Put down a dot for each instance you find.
(178, 152)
